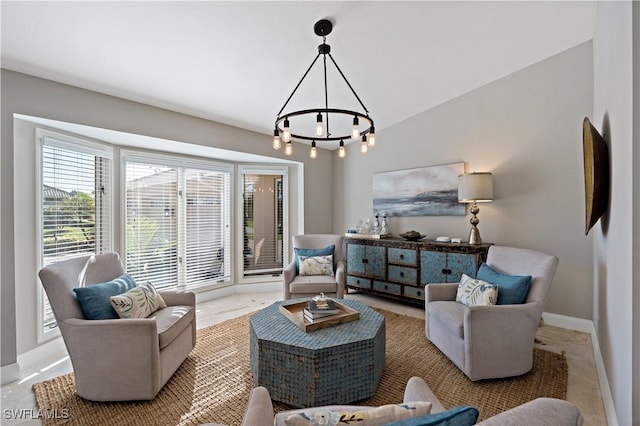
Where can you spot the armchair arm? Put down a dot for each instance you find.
(259, 408)
(539, 412)
(288, 274)
(98, 348)
(436, 292)
(418, 390)
(174, 298)
(341, 278)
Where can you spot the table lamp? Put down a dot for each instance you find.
(475, 188)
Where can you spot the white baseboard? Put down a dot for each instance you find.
(587, 326)
(10, 373)
(43, 353)
(217, 293)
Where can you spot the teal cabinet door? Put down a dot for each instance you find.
(375, 262)
(433, 264)
(460, 263)
(355, 256)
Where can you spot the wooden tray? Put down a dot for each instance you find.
(295, 314)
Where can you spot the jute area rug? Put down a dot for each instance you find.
(213, 384)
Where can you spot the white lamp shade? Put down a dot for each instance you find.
(476, 187)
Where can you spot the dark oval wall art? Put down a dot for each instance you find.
(596, 174)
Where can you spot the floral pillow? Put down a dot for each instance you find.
(374, 416)
(475, 292)
(139, 302)
(316, 265)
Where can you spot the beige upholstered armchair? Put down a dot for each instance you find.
(296, 286)
(496, 341)
(118, 359)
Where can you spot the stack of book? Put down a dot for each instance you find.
(319, 309)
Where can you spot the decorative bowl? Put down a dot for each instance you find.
(412, 235)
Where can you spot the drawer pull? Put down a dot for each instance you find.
(358, 281)
(402, 256)
(402, 274)
(446, 271)
(386, 287)
(365, 260)
(419, 293)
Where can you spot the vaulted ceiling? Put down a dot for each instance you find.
(237, 62)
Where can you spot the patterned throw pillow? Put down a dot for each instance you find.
(139, 302)
(376, 416)
(316, 265)
(475, 292)
(325, 251)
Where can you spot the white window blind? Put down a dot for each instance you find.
(178, 231)
(75, 203)
(263, 223)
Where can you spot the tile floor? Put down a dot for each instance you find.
(583, 389)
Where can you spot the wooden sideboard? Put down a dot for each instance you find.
(400, 269)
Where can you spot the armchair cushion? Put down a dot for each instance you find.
(476, 292)
(372, 416)
(95, 300)
(171, 321)
(463, 415)
(315, 284)
(325, 251)
(139, 302)
(511, 288)
(316, 265)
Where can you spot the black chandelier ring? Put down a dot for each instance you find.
(362, 117)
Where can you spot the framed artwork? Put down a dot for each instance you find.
(424, 191)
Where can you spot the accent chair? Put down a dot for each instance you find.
(488, 342)
(118, 359)
(298, 286)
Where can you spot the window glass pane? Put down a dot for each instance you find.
(151, 215)
(207, 228)
(262, 224)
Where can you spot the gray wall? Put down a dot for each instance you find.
(23, 94)
(526, 129)
(617, 235)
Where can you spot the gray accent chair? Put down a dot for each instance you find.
(297, 286)
(539, 412)
(118, 359)
(488, 342)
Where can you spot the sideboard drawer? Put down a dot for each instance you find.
(358, 282)
(403, 274)
(387, 287)
(403, 256)
(415, 292)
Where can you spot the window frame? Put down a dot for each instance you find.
(99, 149)
(180, 162)
(264, 170)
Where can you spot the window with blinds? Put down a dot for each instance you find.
(75, 202)
(263, 223)
(178, 230)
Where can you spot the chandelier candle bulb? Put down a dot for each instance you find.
(276, 139)
(372, 137)
(355, 131)
(313, 153)
(364, 147)
(341, 152)
(319, 125)
(288, 149)
(286, 133)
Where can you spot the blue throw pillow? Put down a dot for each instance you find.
(325, 251)
(463, 415)
(95, 299)
(512, 289)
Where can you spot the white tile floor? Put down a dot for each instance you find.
(583, 387)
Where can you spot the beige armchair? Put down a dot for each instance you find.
(118, 359)
(296, 286)
(487, 342)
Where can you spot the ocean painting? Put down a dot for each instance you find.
(425, 191)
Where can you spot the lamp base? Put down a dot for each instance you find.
(474, 236)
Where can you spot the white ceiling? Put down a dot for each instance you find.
(237, 62)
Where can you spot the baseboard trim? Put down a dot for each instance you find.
(217, 293)
(43, 353)
(10, 373)
(587, 326)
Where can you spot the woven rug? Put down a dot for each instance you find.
(213, 384)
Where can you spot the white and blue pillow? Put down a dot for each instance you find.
(306, 252)
(475, 292)
(316, 265)
(463, 415)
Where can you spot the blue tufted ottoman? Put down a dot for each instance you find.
(335, 365)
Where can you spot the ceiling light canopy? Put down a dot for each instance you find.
(362, 127)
